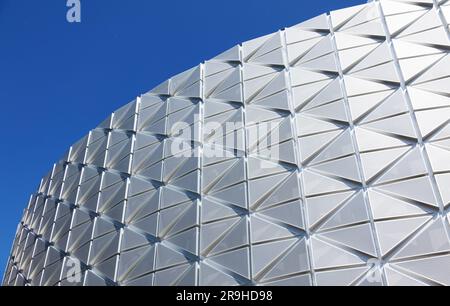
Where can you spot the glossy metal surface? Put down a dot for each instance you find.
(357, 194)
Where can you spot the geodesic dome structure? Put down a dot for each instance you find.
(358, 192)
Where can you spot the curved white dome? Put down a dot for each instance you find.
(317, 155)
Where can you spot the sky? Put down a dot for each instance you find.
(58, 80)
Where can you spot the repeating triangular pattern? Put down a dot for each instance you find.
(358, 104)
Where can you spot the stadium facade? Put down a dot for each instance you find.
(316, 155)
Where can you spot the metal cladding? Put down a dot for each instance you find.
(357, 193)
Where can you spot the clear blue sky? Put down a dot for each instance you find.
(59, 80)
